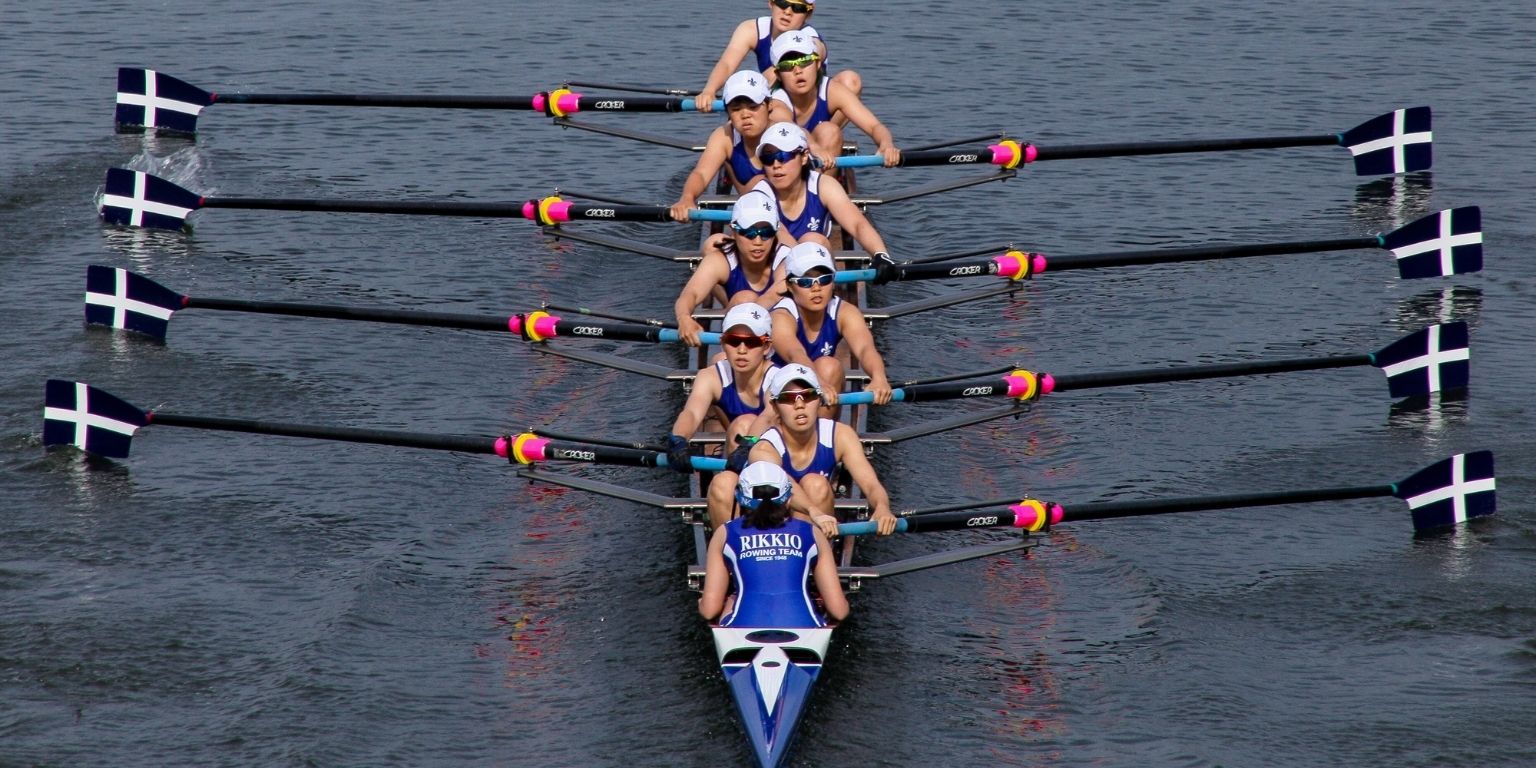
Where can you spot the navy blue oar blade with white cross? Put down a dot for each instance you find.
(150, 100)
(1447, 493)
(1399, 141)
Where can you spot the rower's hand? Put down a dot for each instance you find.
(825, 161)
(891, 154)
(881, 390)
(679, 209)
(679, 457)
(705, 101)
(829, 399)
(885, 522)
(828, 524)
(688, 329)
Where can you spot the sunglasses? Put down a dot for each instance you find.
(812, 282)
(785, 65)
(759, 232)
(742, 339)
(789, 6)
(796, 396)
(770, 156)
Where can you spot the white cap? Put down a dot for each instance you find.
(761, 473)
(781, 378)
(754, 207)
(795, 41)
(753, 316)
(746, 84)
(807, 256)
(785, 137)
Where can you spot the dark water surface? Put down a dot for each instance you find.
(237, 600)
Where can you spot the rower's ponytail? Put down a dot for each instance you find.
(767, 516)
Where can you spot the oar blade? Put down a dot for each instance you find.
(118, 298)
(147, 99)
(90, 419)
(1435, 359)
(1451, 491)
(1398, 142)
(138, 199)
(1441, 244)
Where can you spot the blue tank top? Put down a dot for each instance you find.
(770, 568)
(827, 338)
(740, 162)
(824, 463)
(764, 47)
(737, 282)
(821, 113)
(730, 399)
(814, 217)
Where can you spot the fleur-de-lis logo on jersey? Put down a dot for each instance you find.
(815, 223)
(826, 349)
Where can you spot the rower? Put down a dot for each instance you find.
(745, 267)
(814, 327)
(809, 449)
(729, 393)
(732, 145)
(767, 553)
(809, 202)
(756, 36)
(820, 104)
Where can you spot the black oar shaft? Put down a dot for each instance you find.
(914, 393)
(605, 212)
(941, 270)
(1190, 373)
(461, 443)
(399, 317)
(600, 454)
(379, 100)
(1114, 509)
(1173, 255)
(1130, 149)
(945, 157)
(419, 208)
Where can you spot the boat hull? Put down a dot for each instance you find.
(770, 673)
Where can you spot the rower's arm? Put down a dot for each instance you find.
(717, 149)
(851, 323)
(716, 578)
(853, 220)
(706, 390)
(743, 40)
(785, 342)
(712, 271)
(828, 585)
(840, 97)
(850, 453)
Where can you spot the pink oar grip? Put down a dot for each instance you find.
(545, 326)
(1025, 516)
(1002, 154)
(503, 446)
(530, 451)
(569, 103)
(539, 101)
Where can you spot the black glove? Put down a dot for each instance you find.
(679, 454)
(737, 461)
(885, 267)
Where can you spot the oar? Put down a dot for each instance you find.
(100, 423)
(1448, 242)
(147, 99)
(138, 199)
(1446, 493)
(1433, 359)
(130, 301)
(1399, 141)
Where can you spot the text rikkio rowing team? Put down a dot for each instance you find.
(788, 339)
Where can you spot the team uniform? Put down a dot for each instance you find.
(737, 281)
(821, 113)
(730, 402)
(770, 568)
(814, 217)
(740, 161)
(827, 338)
(823, 463)
(764, 46)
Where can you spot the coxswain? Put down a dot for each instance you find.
(810, 449)
(812, 326)
(810, 202)
(756, 36)
(733, 145)
(820, 104)
(730, 394)
(767, 553)
(743, 267)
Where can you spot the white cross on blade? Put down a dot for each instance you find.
(83, 419)
(141, 206)
(120, 303)
(151, 101)
(1457, 491)
(1432, 359)
(1397, 141)
(1444, 243)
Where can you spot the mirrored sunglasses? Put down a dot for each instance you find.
(759, 232)
(785, 65)
(742, 339)
(812, 282)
